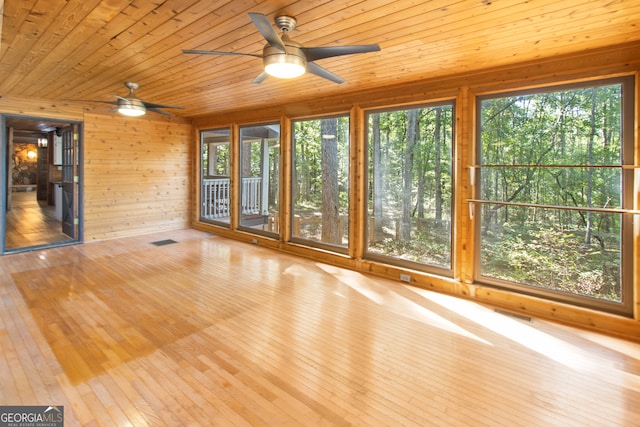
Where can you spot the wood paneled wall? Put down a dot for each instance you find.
(137, 171)
(137, 175)
(464, 88)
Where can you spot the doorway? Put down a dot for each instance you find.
(41, 181)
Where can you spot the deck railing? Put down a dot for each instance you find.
(215, 197)
(216, 194)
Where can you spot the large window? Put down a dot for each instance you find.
(260, 177)
(215, 189)
(553, 190)
(410, 186)
(320, 183)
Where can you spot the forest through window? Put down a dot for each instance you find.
(410, 185)
(548, 204)
(321, 181)
(553, 191)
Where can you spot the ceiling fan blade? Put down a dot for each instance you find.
(324, 73)
(267, 31)
(216, 52)
(103, 102)
(151, 105)
(263, 75)
(155, 110)
(315, 53)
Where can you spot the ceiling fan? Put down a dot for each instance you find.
(284, 58)
(133, 106)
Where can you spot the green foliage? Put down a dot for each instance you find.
(565, 128)
(542, 149)
(321, 179)
(307, 139)
(411, 183)
(551, 259)
(429, 245)
(220, 154)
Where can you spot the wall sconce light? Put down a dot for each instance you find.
(42, 142)
(31, 154)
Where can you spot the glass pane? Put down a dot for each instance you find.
(555, 149)
(321, 180)
(555, 186)
(410, 185)
(260, 177)
(572, 127)
(553, 249)
(215, 187)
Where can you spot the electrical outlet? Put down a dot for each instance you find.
(405, 278)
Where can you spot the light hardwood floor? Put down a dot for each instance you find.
(213, 332)
(31, 222)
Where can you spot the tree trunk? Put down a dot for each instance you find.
(564, 198)
(421, 187)
(246, 159)
(421, 166)
(274, 177)
(330, 202)
(407, 176)
(438, 165)
(589, 229)
(376, 157)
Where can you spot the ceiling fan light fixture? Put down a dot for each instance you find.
(285, 70)
(284, 65)
(131, 107)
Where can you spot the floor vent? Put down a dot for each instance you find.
(164, 242)
(516, 315)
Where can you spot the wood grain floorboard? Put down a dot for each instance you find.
(31, 222)
(213, 332)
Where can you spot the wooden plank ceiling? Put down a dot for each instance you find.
(87, 49)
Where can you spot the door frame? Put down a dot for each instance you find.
(4, 181)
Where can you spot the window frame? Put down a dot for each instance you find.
(201, 198)
(625, 306)
(238, 205)
(395, 261)
(316, 243)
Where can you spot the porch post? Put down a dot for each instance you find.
(264, 182)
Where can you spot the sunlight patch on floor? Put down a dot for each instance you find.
(628, 348)
(512, 328)
(520, 332)
(395, 302)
